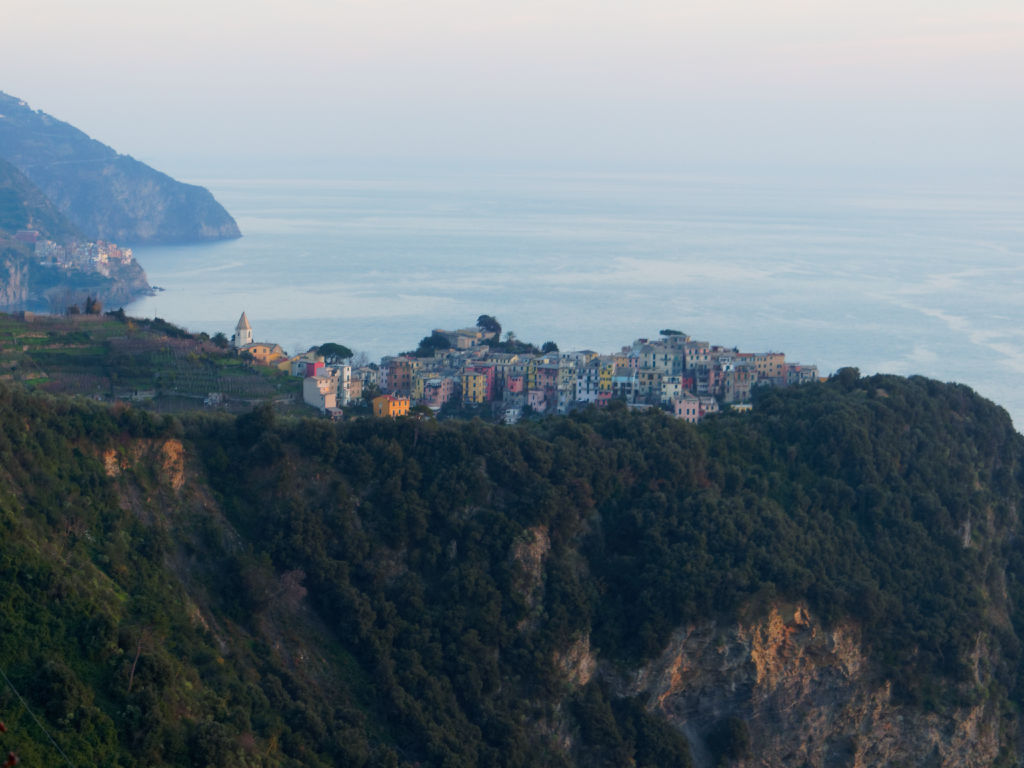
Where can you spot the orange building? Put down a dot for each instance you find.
(390, 405)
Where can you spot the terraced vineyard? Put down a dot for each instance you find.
(112, 357)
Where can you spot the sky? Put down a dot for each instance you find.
(256, 88)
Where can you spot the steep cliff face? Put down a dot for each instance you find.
(24, 206)
(14, 279)
(106, 195)
(127, 282)
(26, 284)
(126, 201)
(803, 695)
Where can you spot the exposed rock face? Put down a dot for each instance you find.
(126, 283)
(24, 206)
(529, 554)
(807, 696)
(106, 195)
(172, 464)
(26, 284)
(14, 279)
(577, 663)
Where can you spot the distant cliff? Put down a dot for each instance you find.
(28, 282)
(106, 195)
(24, 206)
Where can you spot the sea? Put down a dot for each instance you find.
(918, 278)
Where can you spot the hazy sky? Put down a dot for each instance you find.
(225, 86)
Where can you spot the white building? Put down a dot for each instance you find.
(243, 333)
(321, 392)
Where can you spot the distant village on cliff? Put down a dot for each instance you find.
(473, 368)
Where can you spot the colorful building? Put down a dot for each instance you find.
(489, 373)
(265, 353)
(474, 388)
(390, 406)
(396, 374)
(686, 407)
(320, 392)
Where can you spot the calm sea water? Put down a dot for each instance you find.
(901, 281)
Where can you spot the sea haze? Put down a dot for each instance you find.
(911, 281)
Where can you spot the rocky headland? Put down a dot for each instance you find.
(106, 195)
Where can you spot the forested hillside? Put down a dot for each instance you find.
(603, 589)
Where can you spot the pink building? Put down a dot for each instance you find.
(535, 399)
(437, 392)
(547, 376)
(687, 408)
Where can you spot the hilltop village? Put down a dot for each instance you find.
(473, 368)
(82, 255)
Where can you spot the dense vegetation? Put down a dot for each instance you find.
(389, 593)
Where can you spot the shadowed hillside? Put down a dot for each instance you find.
(830, 580)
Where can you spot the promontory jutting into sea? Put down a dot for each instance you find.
(926, 282)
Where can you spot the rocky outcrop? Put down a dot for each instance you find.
(14, 279)
(106, 195)
(25, 284)
(529, 553)
(805, 695)
(577, 664)
(166, 456)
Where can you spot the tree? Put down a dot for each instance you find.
(428, 345)
(334, 353)
(93, 306)
(219, 340)
(61, 300)
(360, 359)
(370, 391)
(489, 324)
(670, 332)
(847, 377)
(549, 346)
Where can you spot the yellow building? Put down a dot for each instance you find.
(419, 379)
(770, 365)
(265, 353)
(474, 388)
(390, 405)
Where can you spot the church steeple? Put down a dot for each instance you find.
(243, 332)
